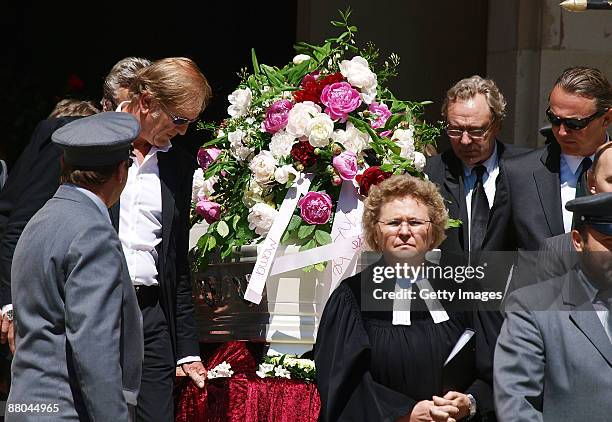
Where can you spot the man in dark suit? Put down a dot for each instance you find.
(540, 182)
(152, 219)
(553, 359)
(78, 325)
(474, 109)
(557, 255)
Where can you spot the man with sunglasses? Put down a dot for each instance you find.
(541, 182)
(152, 219)
(467, 173)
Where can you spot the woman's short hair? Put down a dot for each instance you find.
(401, 186)
(468, 88)
(176, 82)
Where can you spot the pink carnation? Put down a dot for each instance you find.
(340, 98)
(277, 116)
(206, 156)
(211, 211)
(315, 207)
(346, 165)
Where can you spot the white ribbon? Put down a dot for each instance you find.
(347, 232)
(269, 247)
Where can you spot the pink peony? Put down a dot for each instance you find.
(315, 207)
(340, 98)
(382, 114)
(346, 165)
(211, 211)
(277, 115)
(206, 156)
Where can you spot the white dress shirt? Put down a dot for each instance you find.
(140, 221)
(489, 178)
(569, 168)
(140, 225)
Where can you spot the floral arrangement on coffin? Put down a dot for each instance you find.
(287, 366)
(326, 113)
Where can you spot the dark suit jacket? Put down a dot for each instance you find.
(32, 181)
(534, 193)
(176, 169)
(446, 171)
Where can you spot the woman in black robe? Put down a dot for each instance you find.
(377, 361)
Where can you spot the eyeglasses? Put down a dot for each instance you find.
(414, 224)
(177, 120)
(473, 134)
(571, 123)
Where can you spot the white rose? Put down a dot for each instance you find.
(357, 72)
(319, 130)
(405, 139)
(300, 58)
(281, 143)
(352, 139)
(261, 217)
(241, 153)
(235, 138)
(419, 161)
(263, 166)
(202, 187)
(240, 101)
(368, 95)
(283, 174)
(299, 117)
(253, 194)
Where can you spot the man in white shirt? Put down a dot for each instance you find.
(153, 225)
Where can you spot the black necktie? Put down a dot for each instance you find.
(480, 214)
(581, 184)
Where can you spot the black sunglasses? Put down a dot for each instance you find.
(177, 120)
(574, 124)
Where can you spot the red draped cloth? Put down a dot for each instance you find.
(245, 397)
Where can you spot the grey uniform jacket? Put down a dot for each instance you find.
(78, 325)
(553, 359)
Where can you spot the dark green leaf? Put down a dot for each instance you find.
(294, 223)
(212, 242)
(309, 245)
(254, 60)
(322, 237)
(305, 231)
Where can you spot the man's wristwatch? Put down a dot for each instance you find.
(9, 314)
(472, 406)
